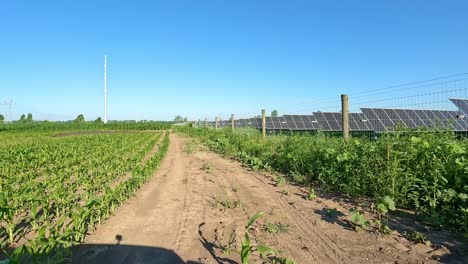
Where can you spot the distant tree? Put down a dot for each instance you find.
(185, 119)
(29, 119)
(98, 120)
(274, 113)
(22, 119)
(80, 118)
(2, 119)
(178, 118)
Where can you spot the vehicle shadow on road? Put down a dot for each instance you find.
(107, 253)
(211, 246)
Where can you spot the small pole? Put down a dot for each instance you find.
(345, 117)
(216, 123)
(263, 123)
(206, 122)
(232, 122)
(198, 123)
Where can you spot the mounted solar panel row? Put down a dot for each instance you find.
(461, 104)
(333, 121)
(299, 122)
(383, 120)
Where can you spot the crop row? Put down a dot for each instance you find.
(426, 171)
(54, 190)
(85, 126)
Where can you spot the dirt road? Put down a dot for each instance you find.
(198, 200)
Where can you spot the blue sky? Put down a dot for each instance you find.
(205, 58)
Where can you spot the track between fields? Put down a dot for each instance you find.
(178, 217)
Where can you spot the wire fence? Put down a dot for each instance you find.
(435, 103)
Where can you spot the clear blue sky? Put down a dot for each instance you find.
(201, 58)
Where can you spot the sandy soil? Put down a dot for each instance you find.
(178, 217)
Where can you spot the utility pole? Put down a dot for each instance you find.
(105, 89)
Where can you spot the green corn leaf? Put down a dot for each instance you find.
(254, 218)
(265, 250)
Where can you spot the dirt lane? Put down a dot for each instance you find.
(179, 217)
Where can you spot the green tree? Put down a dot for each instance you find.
(274, 113)
(80, 118)
(2, 119)
(98, 120)
(22, 119)
(178, 118)
(29, 119)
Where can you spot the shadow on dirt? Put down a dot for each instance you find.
(107, 253)
(406, 222)
(211, 246)
(333, 216)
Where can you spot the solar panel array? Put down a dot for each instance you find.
(461, 104)
(383, 120)
(371, 119)
(329, 121)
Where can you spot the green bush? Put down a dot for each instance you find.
(425, 170)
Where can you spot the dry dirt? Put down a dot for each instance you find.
(178, 217)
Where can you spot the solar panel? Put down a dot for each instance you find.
(297, 122)
(358, 122)
(461, 104)
(291, 124)
(388, 119)
(332, 121)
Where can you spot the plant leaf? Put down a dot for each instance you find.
(254, 218)
(265, 250)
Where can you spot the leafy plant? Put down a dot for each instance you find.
(311, 194)
(358, 220)
(274, 228)
(417, 237)
(247, 248)
(422, 169)
(280, 181)
(384, 204)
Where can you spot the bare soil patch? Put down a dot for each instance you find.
(198, 201)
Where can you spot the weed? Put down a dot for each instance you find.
(207, 167)
(275, 228)
(226, 203)
(417, 237)
(384, 204)
(284, 192)
(280, 181)
(190, 147)
(358, 220)
(280, 260)
(230, 247)
(311, 194)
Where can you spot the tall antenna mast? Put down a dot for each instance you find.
(105, 89)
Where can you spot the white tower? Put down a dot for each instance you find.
(105, 89)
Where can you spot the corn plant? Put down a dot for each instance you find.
(247, 248)
(61, 188)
